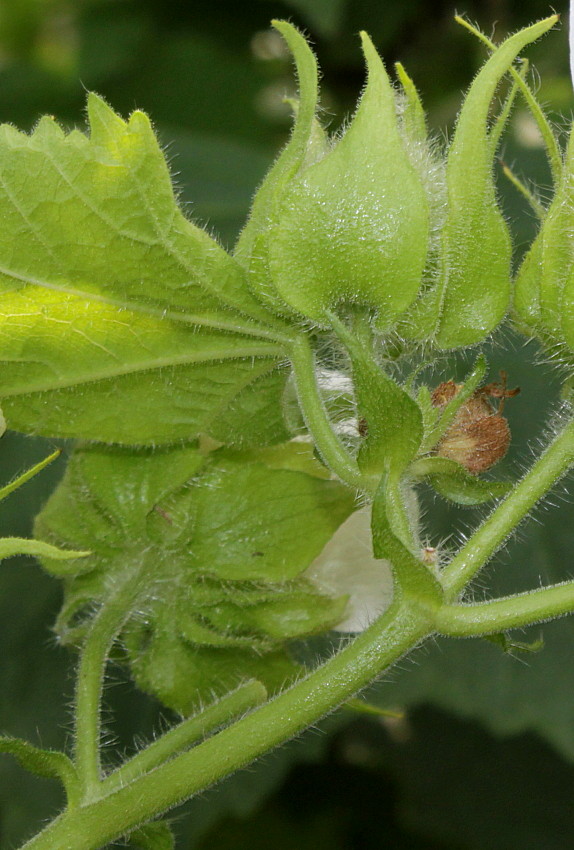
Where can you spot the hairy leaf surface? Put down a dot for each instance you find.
(212, 551)
(120, 319)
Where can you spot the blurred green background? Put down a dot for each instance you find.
(484, 755)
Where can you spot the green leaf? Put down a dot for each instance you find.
(455, 483)
(333, 239)
(393, 540)
(211, 544)
(108, 289)
(472, 294)
(507, 644)
(153, 836)
(48, 763)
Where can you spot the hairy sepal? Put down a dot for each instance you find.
(347, 227)
(470, 295)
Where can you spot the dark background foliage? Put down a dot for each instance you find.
(484, 755)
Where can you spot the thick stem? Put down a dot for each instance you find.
(511, 612)
(187, 733)
(548, 469)
(330, 447)
(93, 825)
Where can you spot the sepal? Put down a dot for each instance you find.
(453, 482)
(346, 228)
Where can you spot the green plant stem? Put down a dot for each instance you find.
(535, 204)
(187, 733)
(330, 447)
(95, 652)
(550, 466)
(511, 612)
(102, 820)
(30, 473)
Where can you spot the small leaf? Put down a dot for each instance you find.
(508, 645)
(50, 764)
(153, 836)
(455, 483)
(361, 707)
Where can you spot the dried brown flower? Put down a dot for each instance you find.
(479, 435)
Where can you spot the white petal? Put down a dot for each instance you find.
(346, 566)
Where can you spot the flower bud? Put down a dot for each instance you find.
(544, 290)
(375, 218)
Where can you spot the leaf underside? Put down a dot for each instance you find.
(120, 320)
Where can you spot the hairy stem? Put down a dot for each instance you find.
(187, 733)
(548, 469)
(332, 450)
(102, 820)
(95, 652)
(511, 612)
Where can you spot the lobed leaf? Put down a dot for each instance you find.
(120, 319)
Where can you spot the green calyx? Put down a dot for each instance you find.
(375, 219)
(544, 292)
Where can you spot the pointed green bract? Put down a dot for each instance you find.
(109, 292)
(544, 291)
(413, 117)
(353, 227)
(212, 546)
(26, 476)
(293, 155)
(471, 295)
